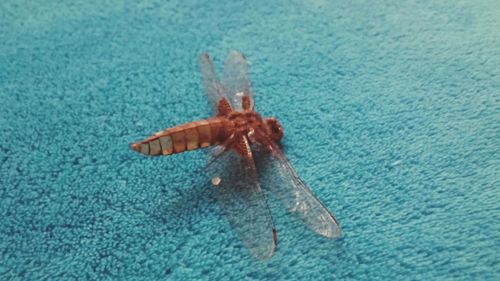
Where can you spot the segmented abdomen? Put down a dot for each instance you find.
(188, 136)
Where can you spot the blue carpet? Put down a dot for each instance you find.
(391, 115)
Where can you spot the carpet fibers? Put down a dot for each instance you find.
(391, 115)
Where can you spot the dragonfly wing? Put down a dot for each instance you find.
(242, 200)
(236, 82)
(211, 83)
(280, 179)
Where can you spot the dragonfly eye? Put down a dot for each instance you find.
(274, 128)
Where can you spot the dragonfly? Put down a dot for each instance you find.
(246, 161)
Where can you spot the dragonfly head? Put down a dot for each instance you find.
(274, 128)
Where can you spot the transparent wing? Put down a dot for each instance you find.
(243, 202)
(280, 179)
(236, 82)
(211, 83)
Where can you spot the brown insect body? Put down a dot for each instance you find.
(223, 129)
(189, 136)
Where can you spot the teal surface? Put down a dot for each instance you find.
(391, 115)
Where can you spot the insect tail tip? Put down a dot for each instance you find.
(134, 146)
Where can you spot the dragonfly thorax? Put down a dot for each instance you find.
(247, 122)
(241, 120)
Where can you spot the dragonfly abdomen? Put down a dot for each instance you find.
(189, 136)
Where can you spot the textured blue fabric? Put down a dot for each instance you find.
(391, 115)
